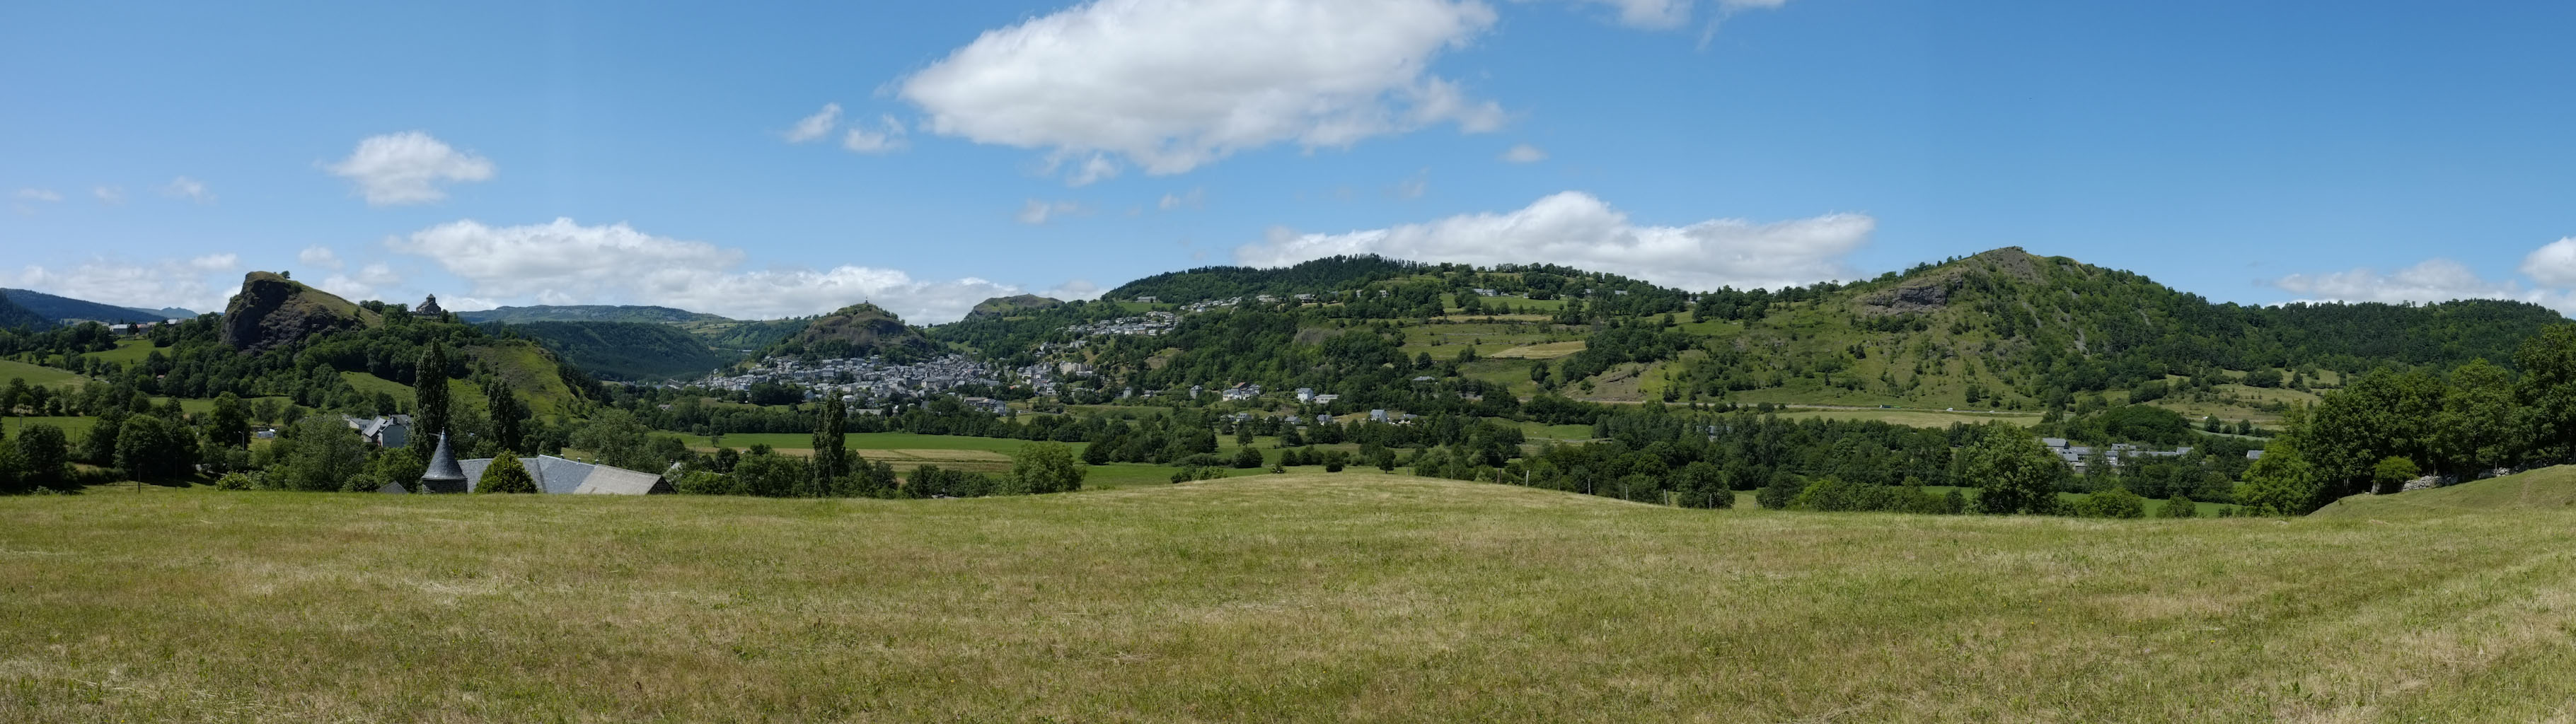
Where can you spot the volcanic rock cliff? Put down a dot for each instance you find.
(274, 311)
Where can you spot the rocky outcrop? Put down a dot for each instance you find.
(273, 311)
(858, 330)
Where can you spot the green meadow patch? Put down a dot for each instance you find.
(1302, 597)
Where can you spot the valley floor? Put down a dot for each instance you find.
(1351, 597)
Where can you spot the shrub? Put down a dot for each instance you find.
(2179, 506)
(1247, 458)
(2113, 503)
(506, 475)
(1046, 467)
(234, 481)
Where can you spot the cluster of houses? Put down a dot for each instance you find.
(2081, 457)
(860, 375)
(1151, 324)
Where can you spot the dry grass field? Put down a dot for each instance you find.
(1351, 597)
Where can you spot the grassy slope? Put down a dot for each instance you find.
(1269, 598)
(2543, 489)
(37, 375)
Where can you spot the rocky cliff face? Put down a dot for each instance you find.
(273, 311)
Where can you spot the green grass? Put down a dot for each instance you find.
(73, 427)
(1351, 597)
(128, 351)
(2544, 489)
(37, 375)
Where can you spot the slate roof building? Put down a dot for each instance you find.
(382, 430)
(428, 308)
(443, 475)
(561, 476)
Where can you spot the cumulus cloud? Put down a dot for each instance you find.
(887, 137)
(2553, 265)
(1414, 186)
(1195, 198)
(1575, 229)
(320, 256)
(110, 195)
(1666, 14)
(201, 283)
(816, 126)
(190, 189)
(44, 195)
(2434, 280)
(1524, 153)
(1074, 289)
(2442, 280)
(1169, 85)
(563, 262)
(1038, 212)
(370, 282)
(408, 168)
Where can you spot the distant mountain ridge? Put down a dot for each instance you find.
(588, 313)
(58, 308)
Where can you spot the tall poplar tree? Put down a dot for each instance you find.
(429, 401)
(830, 460)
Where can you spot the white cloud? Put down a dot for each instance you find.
(567, 263)
(369, 282)
(1038, 212)
(1666, 14)
(202, 283)
(44, 195)
(320, 256)
(1074, 289)
(888, 137)
(110, 195)
(816, 126)
(2433, 280)
(1169, 85)
(1524, 153)
(1196, 198)
(1575, 229)
(190, 189)
(1414, 186)
(407, 168)
(2554, 264)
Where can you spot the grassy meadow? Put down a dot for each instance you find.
(1351, 597)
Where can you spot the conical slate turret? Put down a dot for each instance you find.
(443, 475)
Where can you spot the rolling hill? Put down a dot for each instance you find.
(2552, 489)
(60, 308)
(2001, 330)
(630, 351)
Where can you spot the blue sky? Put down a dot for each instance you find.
(527, 152)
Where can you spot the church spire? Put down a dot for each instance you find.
(443, 475)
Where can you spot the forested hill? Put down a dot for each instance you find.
(858, 330)
(623, 350)
(56, 308)
(1222, 282)
(2006, 327)
(587, 313)
(13, 316)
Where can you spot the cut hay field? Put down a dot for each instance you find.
(1916, 418)
(1352, 597)
(37, 375)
